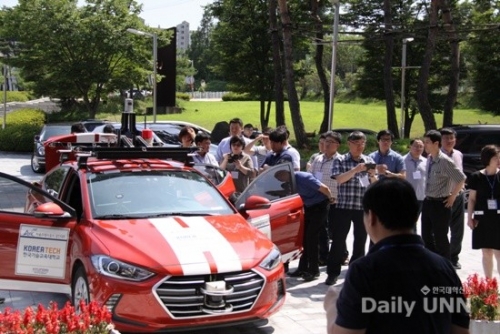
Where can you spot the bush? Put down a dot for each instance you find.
(216, 86)
(182, 96)
(112, 105)
(17, 96)
(22, 125)
(237, 97)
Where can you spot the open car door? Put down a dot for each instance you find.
(283, 221)
(34, 246)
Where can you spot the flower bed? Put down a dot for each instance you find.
(482, 294)
(92, 319)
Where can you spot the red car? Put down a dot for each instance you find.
(151, 237)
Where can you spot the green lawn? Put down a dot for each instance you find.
(370, 116)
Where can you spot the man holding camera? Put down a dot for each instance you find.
(353, 172)
(389, 162)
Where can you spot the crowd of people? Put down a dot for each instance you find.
(432, 166)
(381, 194)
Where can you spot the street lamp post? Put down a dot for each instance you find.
(336, 5)
(155, 60)
(403, 69)
(4, 96)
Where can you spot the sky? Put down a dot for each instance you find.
(162, 13)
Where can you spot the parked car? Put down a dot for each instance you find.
(51, 130)
(471, 139)
(167, 131)
(38, 154)
(151, 239)
(90, 124)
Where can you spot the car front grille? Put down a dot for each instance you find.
(182, 296)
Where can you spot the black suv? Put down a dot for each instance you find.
(471, 139)
(38, 155)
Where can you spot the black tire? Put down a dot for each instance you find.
(79, 288)
(35, 166)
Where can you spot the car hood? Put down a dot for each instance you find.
(185, 245)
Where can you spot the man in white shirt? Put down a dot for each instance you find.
(321, 168)
(291, 150)
(457, 221)
(235, 129)
(416, 169)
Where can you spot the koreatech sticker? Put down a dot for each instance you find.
(41, 251)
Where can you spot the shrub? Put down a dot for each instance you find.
(112, 105)
(17, 96)
(22, 125)
(182, 96)
(216, 86)
(237, 97)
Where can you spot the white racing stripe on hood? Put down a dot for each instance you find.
(190, 243)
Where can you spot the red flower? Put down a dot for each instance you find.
(93, 319)
(483, 297)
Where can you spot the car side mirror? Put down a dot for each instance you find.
(37, 137)
(255, 202)
(50, 210)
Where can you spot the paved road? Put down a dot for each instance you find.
(303, 310)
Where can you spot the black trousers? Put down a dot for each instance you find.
(457, 223)
(324, 237)
(340, 228)
(314, 219)
(323, 253)
(435, 222)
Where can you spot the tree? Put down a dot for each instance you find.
(201, 49)
(78, 52)
(317, 9)
(293, 100)
(240, 42)
(483, 47)
(278, 70)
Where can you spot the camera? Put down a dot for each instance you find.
(370, 166)
(234, 157)
(255, 134)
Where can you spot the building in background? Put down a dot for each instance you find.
(183, 36)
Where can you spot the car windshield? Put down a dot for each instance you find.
(146, 194)
(54, 130)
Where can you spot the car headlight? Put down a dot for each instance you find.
(41, 150)
(118, 269)
(272, 260)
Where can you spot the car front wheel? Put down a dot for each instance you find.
(35, 166)
(79, 289)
